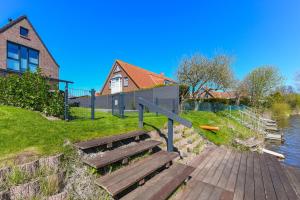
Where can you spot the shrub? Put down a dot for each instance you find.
(31, 91)
(281, 110)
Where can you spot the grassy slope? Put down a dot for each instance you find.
(22, 129)
(229, 129)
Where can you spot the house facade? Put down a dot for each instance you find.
(21, 49)
(125, 77)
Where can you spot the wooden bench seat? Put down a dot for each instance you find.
(161, 186)
(108, 140)
(122, 179)
(121, 154)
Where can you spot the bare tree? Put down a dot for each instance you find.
(199, 72)
(261, 82)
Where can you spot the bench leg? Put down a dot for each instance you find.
(137, 138)
(150, 151)
(168, 164)
(125, 161)
(142, 182)
(109, 145)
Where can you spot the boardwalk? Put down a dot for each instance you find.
(228, 174)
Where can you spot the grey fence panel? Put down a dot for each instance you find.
(102, 101)
(165, 96)
(129, 101)
(80, 101)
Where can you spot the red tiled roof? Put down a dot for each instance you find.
(218, 95)
(143, 78)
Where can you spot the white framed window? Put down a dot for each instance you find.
(125, 82)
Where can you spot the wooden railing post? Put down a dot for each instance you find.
(170, 135)
(141, 116)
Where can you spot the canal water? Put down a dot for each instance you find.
(291, 147)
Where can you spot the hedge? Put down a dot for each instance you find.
(31, 91)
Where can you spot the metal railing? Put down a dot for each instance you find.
(171, 118)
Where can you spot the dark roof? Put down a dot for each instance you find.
(13, 22)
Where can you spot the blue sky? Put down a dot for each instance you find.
(87, 36)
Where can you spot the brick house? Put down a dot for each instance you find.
(125, 77)
(21, 49)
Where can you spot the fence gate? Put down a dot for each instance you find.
(118, 105)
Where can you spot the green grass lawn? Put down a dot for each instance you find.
(22, 130)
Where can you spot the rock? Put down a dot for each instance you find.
(30, 168)
(249, 143)
(25, 191)
(56, 181)
(179, 129)
(189, 131)
(190, 141)
(52, 162)
(60, 196)
(4, 195)
(3, 174)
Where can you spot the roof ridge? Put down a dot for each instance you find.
(11, 23)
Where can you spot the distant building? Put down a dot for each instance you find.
(212, 94)
(125, 77)
(21, 49)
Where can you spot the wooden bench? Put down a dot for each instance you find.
(122, 179)
(108, 141)
(162, 185)
(121, 154)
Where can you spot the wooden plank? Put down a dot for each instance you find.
(201, 174)
(201, 157)
(293, 175)
(278, 187)
(162, 185)
(267, 180)
(120, 154)
(284, 180)
(107, 140)
(249, 184)
(258, 181)
(226, 172)
(191, 191)
(206, 192)
(211, 172)
(215, 179)
(234, 173)
(122, 179)
(240, 184)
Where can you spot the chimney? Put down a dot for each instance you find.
(163, 74)
(10, 20)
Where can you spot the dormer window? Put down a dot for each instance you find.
(24, 31)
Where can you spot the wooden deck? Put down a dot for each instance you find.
(228, 174)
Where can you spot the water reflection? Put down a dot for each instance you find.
(291, 147)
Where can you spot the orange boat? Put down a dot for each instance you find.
(210, 128)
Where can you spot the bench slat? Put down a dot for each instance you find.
(120, 154)
(107, 140)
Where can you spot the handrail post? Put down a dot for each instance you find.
(141, 115)
(93, 104)
(170, 135)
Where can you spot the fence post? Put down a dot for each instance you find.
(93, 104)
(156, 103)
(66, 101)
(141, 116)
(170, 135)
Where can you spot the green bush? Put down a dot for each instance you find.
(31, 91)
(281, 110)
